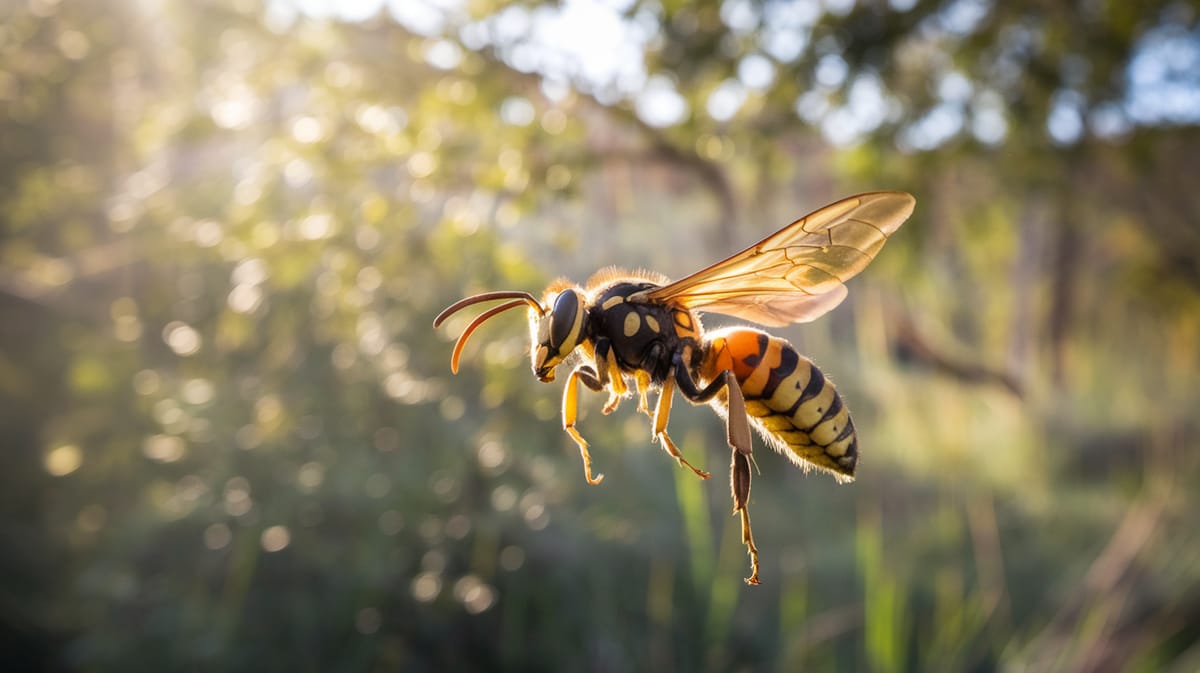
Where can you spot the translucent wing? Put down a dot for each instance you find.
(797, 273)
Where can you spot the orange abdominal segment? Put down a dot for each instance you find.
(791, 403)
(732, 351)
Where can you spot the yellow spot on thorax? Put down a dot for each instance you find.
(633, 323)
(612, 301)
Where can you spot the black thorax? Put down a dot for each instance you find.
(641, 335)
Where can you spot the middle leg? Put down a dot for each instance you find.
(662, 412)
(609, 375)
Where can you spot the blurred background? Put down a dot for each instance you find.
(231, 440)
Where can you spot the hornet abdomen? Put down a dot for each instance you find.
(790, 402)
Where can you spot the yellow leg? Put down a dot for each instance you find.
(610, 375)
(570, 409)
(643, 386)
(610, 405)
(662, 412)
(748, 540)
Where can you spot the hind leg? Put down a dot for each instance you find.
(737, 429)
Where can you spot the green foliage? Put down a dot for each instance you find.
(233, 442)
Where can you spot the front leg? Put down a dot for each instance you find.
(737, 428)
(570, 410)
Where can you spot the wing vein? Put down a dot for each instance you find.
(797, 273)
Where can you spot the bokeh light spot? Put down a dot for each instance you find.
(208, 233)
(268, 410)
(444, 486)
(275, 538)
(378, 485)
(558, 176)
(146, 382)
(248, 437)
(391, 522)
(182, 338)
(237, 497)
(217, 536)
(458, 526)
(421, 164)
(756, 71)
(316, 227)
(443, 54)
(426, 587)
(63, 460)
(492, 454)
(244, 298)
(504, 498)
(164, 448)
(512, 558)
(452, 408)
(475, 595)
(310, 476)
(517, 111)
(660, 104)
(73, 44)
(307, 130)
(198, 391)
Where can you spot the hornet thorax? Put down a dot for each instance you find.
(643, 335)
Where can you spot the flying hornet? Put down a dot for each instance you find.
(636, 331)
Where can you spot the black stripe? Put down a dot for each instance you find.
(846, 431)
(753, 360)
(850, 456)
(835, 407)
(787, 365)
(816, 383)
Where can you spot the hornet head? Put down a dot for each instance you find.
(556, 325)
(556, 333)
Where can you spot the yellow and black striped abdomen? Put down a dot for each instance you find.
(788, 399)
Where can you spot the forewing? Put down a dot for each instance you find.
(797, 273)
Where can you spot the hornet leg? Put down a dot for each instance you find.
(737, 427)
(739, 475)
(609, 376)
(643, 386)
(570, 409)
(662, 412)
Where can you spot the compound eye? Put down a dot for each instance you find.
(565, 316)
